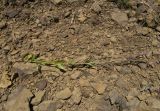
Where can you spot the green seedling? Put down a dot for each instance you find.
(60, 64)
(34, 59)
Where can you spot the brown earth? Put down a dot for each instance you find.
(121, 39)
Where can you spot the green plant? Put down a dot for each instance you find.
(34, 59)
(60, 64)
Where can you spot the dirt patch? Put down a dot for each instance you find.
(120, 37)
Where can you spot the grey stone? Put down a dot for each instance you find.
(41, 84)
(113, 95)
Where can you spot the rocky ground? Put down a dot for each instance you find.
(115, 46)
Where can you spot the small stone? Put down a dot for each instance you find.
(3, 25)
(12, 13)
(96, 7)
(113, 96)
(142, 97)
(41, 84)
(142, 65)
(38, 98)
(113, 39)
(125, 70)
(46, 106)
(19, 100)
(25, 69)
(5, 81)
(158, 28)
(143, 30)
(155, 42)
(82, 17)
(76, 75)
(70, 1)
(132, 94)
(133, 103)
(84, 82)
(56, 2)
(122, 83)
(76, 95)
(119, 16)
(153, 102)
(64, 94)
(99, 87)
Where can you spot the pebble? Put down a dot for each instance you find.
(38, 98)
(119, 16)
(153, 102)
(41, 85)
(48, 105)
(142, 65)
(56, 2)
(3, 25)
(133, 103)
(64, 94)
(96, 7)
(158, 28)
(76, 75)
(5, 81)
(12, 13)
(76, 95)
(99, 87)
(155, 42)
(84, 83)
(143, 30)
(113, 95)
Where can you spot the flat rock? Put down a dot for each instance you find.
(41, 84)
(119, 16)
(113, 95)
(84, 82)
(76, 95)
(38, 98)
(56, 2)
(5, 81)
(153, 102)
(96, 7)
(99, 87)
(19, 100)
(3, 25)
(76, 75)
(25, 68)
(12, 13)
(64, 94)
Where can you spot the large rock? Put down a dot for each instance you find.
(19, 100)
